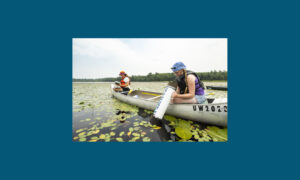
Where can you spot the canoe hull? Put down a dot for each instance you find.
(215, 114)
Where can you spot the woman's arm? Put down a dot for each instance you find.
(191, 85)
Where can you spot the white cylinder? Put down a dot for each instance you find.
(164, 102)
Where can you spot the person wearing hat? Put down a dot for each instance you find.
(124, 83)
(190, 90)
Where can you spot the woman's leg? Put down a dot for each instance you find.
(118, 89)
(184, 101)
(126, 89)
(200, 99)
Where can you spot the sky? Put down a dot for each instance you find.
(106, 57)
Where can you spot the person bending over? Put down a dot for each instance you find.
(190, 90)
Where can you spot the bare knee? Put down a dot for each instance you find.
(118, 89)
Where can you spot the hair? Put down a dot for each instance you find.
(185, 79)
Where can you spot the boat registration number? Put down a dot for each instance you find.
(210, 108)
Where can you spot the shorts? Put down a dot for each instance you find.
(125, 89)
(200, 98)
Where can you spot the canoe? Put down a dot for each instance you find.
(222, 88)
(213, 111)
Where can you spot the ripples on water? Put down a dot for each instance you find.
(99, 117)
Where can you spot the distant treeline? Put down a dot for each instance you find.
(213, 75)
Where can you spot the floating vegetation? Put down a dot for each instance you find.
(98, 117)
(122, 133)
(216, 133)
(112, 133)
(120, 139)
(102, 136)
(183, 133)
(146, 139)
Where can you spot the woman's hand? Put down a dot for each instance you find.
(191, 85)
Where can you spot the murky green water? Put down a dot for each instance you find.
(99, 117)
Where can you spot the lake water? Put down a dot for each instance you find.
(99, 117)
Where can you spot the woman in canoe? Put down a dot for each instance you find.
(124, 83)
(190, 90)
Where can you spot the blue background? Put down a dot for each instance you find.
(36, 107)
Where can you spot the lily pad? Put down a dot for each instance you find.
(217, 133)
(136, 134)
(90, 133)
(122, 133)
(112, 133)
(79, 130)
(184, 124)
(75, 138)
(102, 136)
(136, 128)
(119, 139)
(200, 140)
(82, 139)
(82, 134)
(169, 118)
(146, 139)
(134, 139)
(183, 133)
